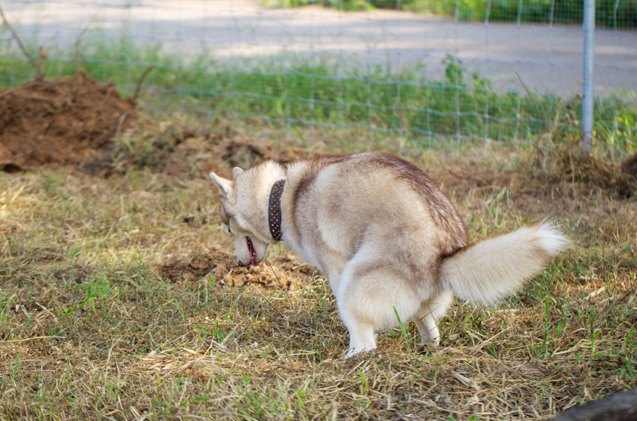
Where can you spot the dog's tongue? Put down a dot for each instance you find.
(253, 253)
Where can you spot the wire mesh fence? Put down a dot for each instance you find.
(427, 70)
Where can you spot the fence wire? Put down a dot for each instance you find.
(503, 71)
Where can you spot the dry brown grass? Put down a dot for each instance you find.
(116, 299)
(566, 162)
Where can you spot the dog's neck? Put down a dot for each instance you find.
(265, 177)
(274, 209)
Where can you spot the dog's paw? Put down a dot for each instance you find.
(359, 357)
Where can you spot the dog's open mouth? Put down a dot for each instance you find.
(253, 253)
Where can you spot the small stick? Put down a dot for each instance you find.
(141, 80)
(274, 272)
(33, 97)
(39, 71)
(120, 123)
(17, 39)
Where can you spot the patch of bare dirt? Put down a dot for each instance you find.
(198, 155)
(67, 120)
(284, 272)
(191, 149)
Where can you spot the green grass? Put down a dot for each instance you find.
(406, 104)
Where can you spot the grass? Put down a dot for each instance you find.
(92, 325)
(323, 95)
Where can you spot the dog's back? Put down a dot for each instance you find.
(371, 199)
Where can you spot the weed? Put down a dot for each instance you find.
(403, 330)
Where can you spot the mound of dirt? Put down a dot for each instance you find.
(66, 120)
(284, 273)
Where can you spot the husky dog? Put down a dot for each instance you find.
(390, 243)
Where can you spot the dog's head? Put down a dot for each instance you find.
(243, 214)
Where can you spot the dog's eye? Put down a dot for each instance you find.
(226, 229)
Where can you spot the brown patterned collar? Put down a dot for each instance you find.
(274, 210)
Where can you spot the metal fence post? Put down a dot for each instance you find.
(587, 105)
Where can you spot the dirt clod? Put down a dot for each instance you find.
(66, 120)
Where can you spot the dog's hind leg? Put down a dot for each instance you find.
(369, 297)
(361, 328)
(428, 315)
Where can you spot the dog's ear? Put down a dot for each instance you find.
(224, 186)
(236, 172)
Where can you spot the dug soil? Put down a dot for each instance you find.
(285, 272)
(67, 120)
(73, 120)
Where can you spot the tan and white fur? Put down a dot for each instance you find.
(390, 243)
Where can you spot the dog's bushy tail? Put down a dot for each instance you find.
(495, 268)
